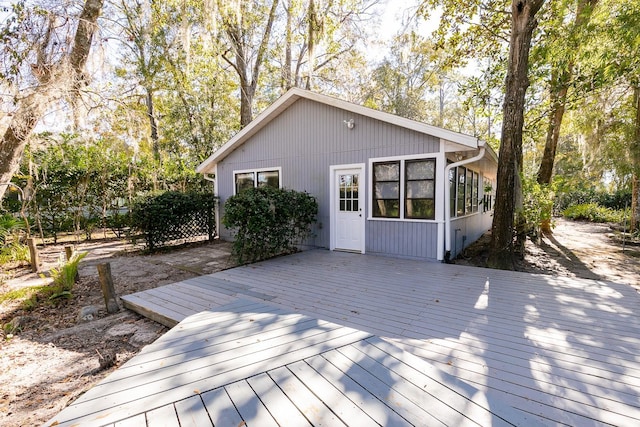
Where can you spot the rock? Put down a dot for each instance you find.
(143, 337)
(17, 324)
(87, 314)
(122, 329)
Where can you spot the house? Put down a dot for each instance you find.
(384, 184)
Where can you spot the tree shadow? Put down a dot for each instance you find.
(566, 258)
(530, 349)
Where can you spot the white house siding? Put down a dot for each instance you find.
(309, 137)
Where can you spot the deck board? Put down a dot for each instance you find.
(494, 347)
(163, 417)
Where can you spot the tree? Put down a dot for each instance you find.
(402, 82)
(562, 69)
(248, 30)
(55, 72)
(508, 186)
(144, 34)
(614, 61)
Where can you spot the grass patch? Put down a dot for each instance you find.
(27, 295)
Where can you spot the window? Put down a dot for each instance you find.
(269, 179)
(404, 189)
(386, 189)
(453, 181)
(487, 200)
(256, 178)
(465, 191)
(420, 192)
(474, 192)
(349, 193)
(468, 195)
(244, 180)
(462, 176)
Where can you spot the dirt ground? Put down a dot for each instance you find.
(575, 249)
(55, 355)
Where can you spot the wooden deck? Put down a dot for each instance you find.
(464, 345)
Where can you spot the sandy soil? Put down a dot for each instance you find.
(575, 249)
(53, 357)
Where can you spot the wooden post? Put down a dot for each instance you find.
(33, 251)
(68, 250)
(108, 290)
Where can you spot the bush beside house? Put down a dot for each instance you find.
(269, 221)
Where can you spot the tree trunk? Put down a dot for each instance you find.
(523, 23)
(635, 156)
(313, 29)
(234, 27)
(15, 137)
(286, 69)
(153, 124)
(560, 81)
(32, 107)
(247, 91)
(559, 88)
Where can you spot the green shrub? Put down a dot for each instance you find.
(594, 213)
(170, 216)
(537, 207)
(268, 221)
(582, 196)
(64, 277)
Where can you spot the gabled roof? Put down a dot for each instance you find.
(294, 94)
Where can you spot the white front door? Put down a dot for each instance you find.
(347, 208)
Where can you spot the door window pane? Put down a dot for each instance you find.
(348, 193)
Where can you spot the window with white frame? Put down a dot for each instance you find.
(464, 186)
(386, 189)
(487, 198)
(404, 189)
(269, 177)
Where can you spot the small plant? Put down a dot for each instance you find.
(14, 252)
(10, 226)
(64, 277)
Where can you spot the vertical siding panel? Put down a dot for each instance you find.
(309, 137)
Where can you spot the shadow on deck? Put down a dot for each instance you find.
(464, 345)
